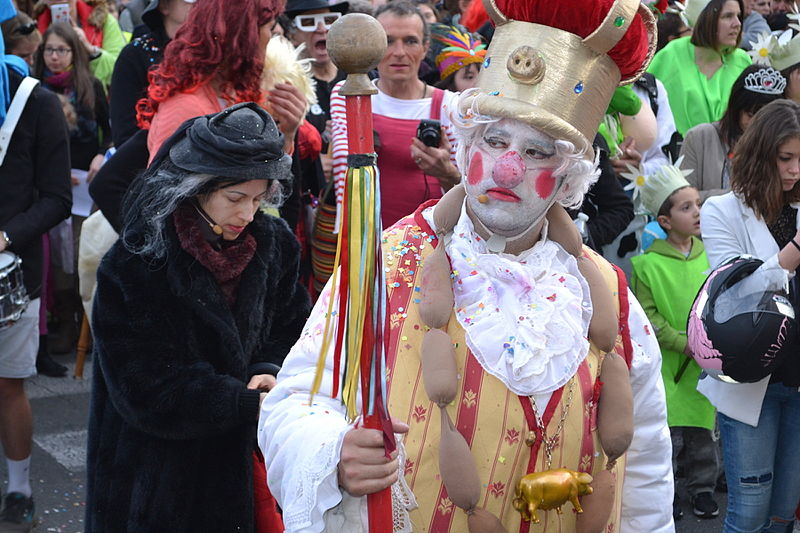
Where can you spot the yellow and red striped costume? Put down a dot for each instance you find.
(494, 420)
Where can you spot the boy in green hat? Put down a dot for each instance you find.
(666, 279)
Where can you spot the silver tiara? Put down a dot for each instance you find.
(765, 81)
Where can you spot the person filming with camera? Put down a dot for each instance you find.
(415, 143)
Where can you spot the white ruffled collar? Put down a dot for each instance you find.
(526, 317)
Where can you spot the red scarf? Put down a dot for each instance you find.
(225, 264)
(61, 82)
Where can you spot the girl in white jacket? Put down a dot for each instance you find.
(760, 422)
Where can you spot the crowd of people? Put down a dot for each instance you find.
(558, 180)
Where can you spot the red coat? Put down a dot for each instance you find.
(93, 33)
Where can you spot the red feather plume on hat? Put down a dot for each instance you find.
(475, 16)
(582, 17)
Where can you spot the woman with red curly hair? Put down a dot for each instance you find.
(216, 60)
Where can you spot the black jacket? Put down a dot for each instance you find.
(609, 208)
(92, 135)
(111, 182)
(129, 81)
(172, 425)
(35, 187)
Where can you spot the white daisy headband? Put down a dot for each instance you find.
(781, 51)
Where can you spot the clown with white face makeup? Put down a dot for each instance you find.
(510, 181)
(522, 374)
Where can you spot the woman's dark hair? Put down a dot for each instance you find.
(431, 4)
(704, 33)
(82, 77)
(669, 28)
(449, 83)
(754, 173)
(157, 192)
(786, 73)
(742, 100)
(17, 30)
(447, 9)
(286, 23)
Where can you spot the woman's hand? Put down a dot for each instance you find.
(363, 465)
(789, 255)
(90, 48)
(263, 382)
(94, 167)
(628, 155)
(288, 109)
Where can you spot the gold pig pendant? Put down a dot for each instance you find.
(550, 490)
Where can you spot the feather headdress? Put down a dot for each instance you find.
(455, 48)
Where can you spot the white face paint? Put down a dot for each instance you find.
(511, 169)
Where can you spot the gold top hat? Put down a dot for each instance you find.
(554, 80)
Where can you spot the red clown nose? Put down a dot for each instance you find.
(509, 170)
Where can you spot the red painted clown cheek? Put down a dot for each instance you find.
(475, 171)
(509, 171)
(545, 183)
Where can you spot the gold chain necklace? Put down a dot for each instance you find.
(549, 443)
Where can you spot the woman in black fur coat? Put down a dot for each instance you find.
(195, 304)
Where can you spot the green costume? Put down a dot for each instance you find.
(693, 98)
(665, 282)
(113, 42)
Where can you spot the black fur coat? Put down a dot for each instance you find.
(172, 426)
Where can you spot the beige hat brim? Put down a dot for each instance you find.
(534, 116)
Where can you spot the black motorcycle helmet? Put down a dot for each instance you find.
(738, 330)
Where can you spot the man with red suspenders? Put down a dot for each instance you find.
(411, 172)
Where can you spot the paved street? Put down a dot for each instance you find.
(58, 466)
(60, 410)
(691, 524)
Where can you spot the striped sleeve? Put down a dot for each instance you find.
(339, 133)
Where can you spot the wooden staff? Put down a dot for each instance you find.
(356, 44)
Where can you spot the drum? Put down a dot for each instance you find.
(13, 297)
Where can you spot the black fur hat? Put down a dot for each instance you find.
(242, 143)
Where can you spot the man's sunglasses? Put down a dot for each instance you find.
(25, 29)
(310, 22)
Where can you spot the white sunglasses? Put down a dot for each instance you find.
(310, 22)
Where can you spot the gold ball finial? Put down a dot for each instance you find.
(356, 43)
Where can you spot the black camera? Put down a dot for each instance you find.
(429, 132)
